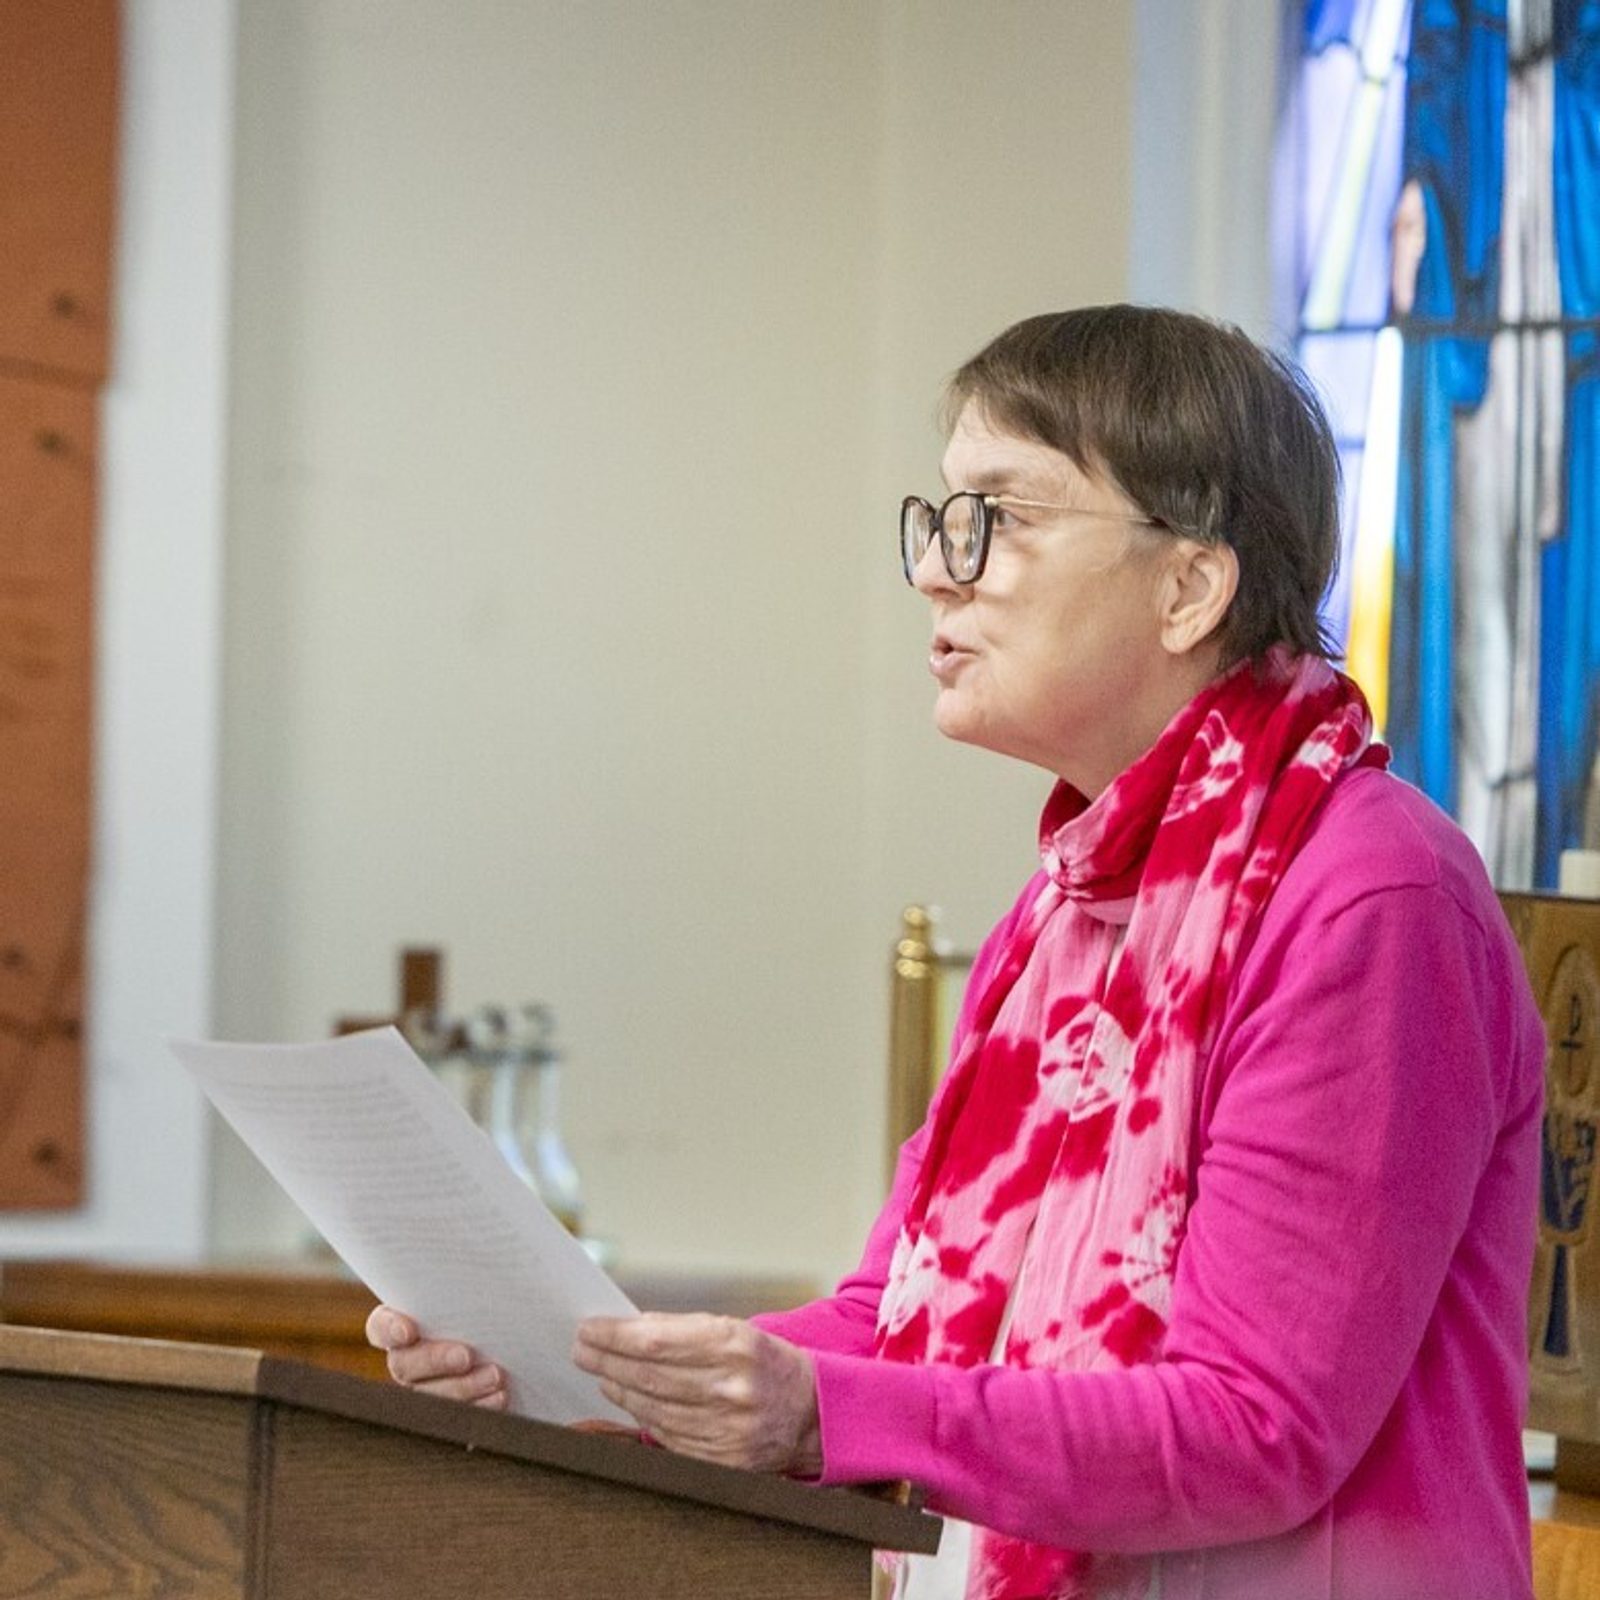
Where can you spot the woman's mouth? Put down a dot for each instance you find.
(945, 659)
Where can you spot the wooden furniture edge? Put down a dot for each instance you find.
(120, 1358)
(196, 1302)
(191, 1302)
(159, 1363)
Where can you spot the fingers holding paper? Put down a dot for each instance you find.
(706, 1386)
(442, 1367)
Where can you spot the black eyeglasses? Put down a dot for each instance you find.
(964, 524)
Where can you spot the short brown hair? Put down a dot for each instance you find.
(1210, 435)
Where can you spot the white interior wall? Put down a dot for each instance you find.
(1115, 152)
(158, 620)
(551, 413)
(1204, 120)
(581, 357)
(485, 253)
(1007, 194)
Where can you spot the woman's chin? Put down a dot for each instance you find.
(954, 719)
(959, 722)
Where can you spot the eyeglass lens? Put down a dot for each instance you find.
(962, 523)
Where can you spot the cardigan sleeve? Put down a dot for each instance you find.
(1364, 1076)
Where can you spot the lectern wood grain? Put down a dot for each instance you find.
(352, 1513)
(133, 1467)
(111, 1492)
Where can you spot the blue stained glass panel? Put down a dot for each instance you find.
(1340, 365)
(1368, 299)
(1328, 83)
(1336, 608)
(1499, 131)
(1334, 22)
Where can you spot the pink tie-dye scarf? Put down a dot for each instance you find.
(1083, 1147)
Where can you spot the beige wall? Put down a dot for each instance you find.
(1007, 192)
(581, 353)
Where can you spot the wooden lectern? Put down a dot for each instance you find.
(137, 1467)
(1560, 940)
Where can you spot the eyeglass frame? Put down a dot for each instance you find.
(983, 519)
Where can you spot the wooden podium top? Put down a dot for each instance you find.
(217, 1369)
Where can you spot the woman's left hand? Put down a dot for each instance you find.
(712, 1387)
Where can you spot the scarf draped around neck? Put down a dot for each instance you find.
(1063, 1124)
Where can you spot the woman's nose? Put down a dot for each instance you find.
(931, 576)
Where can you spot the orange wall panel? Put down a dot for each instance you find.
(58, 117)
(47, 480)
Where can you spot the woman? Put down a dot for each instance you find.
(1205, 1275)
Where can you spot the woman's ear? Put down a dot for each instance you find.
(1198, 586)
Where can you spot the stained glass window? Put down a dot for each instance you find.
(1339, 177)
(1439, 219)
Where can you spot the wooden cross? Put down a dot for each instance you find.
(421, 991)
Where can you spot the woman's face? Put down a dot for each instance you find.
(1055, 654)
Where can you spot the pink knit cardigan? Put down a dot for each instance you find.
(1337, 1410)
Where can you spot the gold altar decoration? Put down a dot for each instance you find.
(925, 981)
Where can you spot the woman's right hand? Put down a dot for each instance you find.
(443, 1367)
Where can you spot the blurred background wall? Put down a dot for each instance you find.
(569, 361)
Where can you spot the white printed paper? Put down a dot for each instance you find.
(401, 1182)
